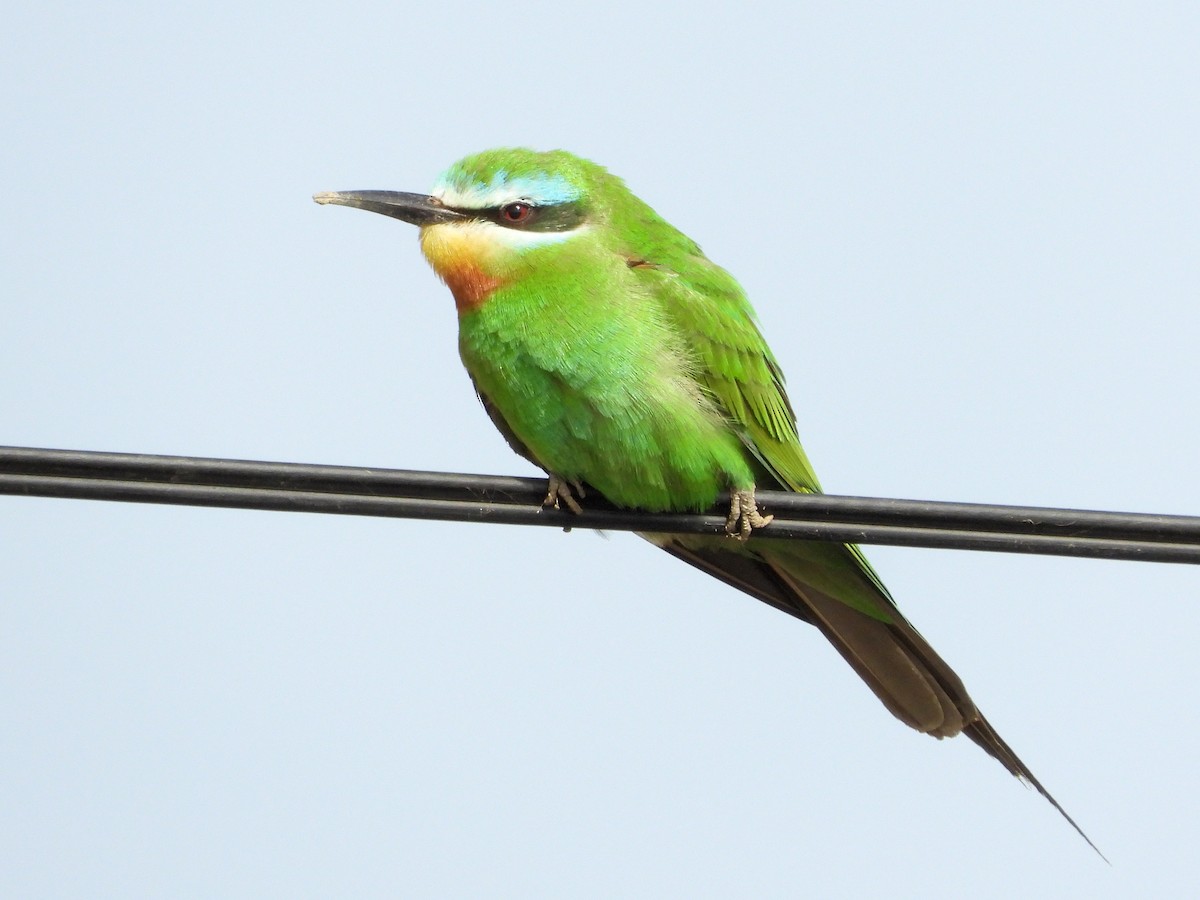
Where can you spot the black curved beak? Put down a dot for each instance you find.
(416, 209)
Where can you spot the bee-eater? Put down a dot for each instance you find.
(613, 354)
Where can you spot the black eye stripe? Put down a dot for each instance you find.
(518, 212)
(556, 217)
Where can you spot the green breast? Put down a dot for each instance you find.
(588, 374)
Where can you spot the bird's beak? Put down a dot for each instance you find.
(416, 209)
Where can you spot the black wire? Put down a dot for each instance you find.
(347, 490)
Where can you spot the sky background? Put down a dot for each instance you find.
(972, 238)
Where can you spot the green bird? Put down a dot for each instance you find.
(613, 354)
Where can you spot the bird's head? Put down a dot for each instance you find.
(494, 216)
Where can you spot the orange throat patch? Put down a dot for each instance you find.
(469, 285)
(457, 254)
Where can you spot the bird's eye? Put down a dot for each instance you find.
(516, 212)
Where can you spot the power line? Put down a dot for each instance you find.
(351, 490)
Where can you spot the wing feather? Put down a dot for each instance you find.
(733, 363)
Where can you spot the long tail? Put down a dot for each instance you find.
(832, 587)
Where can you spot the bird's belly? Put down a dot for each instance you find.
(641, 440)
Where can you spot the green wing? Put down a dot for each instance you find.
(716, 321)
(827, 584)
(831, 586)
(734, 363)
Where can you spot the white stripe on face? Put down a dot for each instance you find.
(484, 234)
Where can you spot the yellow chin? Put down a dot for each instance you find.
(452, 247)
(462, 256)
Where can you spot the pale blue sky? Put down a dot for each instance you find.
(972, 237)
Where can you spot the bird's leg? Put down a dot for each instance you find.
(560, 489)
(744, 516)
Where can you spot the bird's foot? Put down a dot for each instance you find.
(744, 516)
(559, 489)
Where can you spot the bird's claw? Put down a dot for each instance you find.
(559, 489)
(744, 516)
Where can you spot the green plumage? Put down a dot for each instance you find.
(610, 351)
(622, 357)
